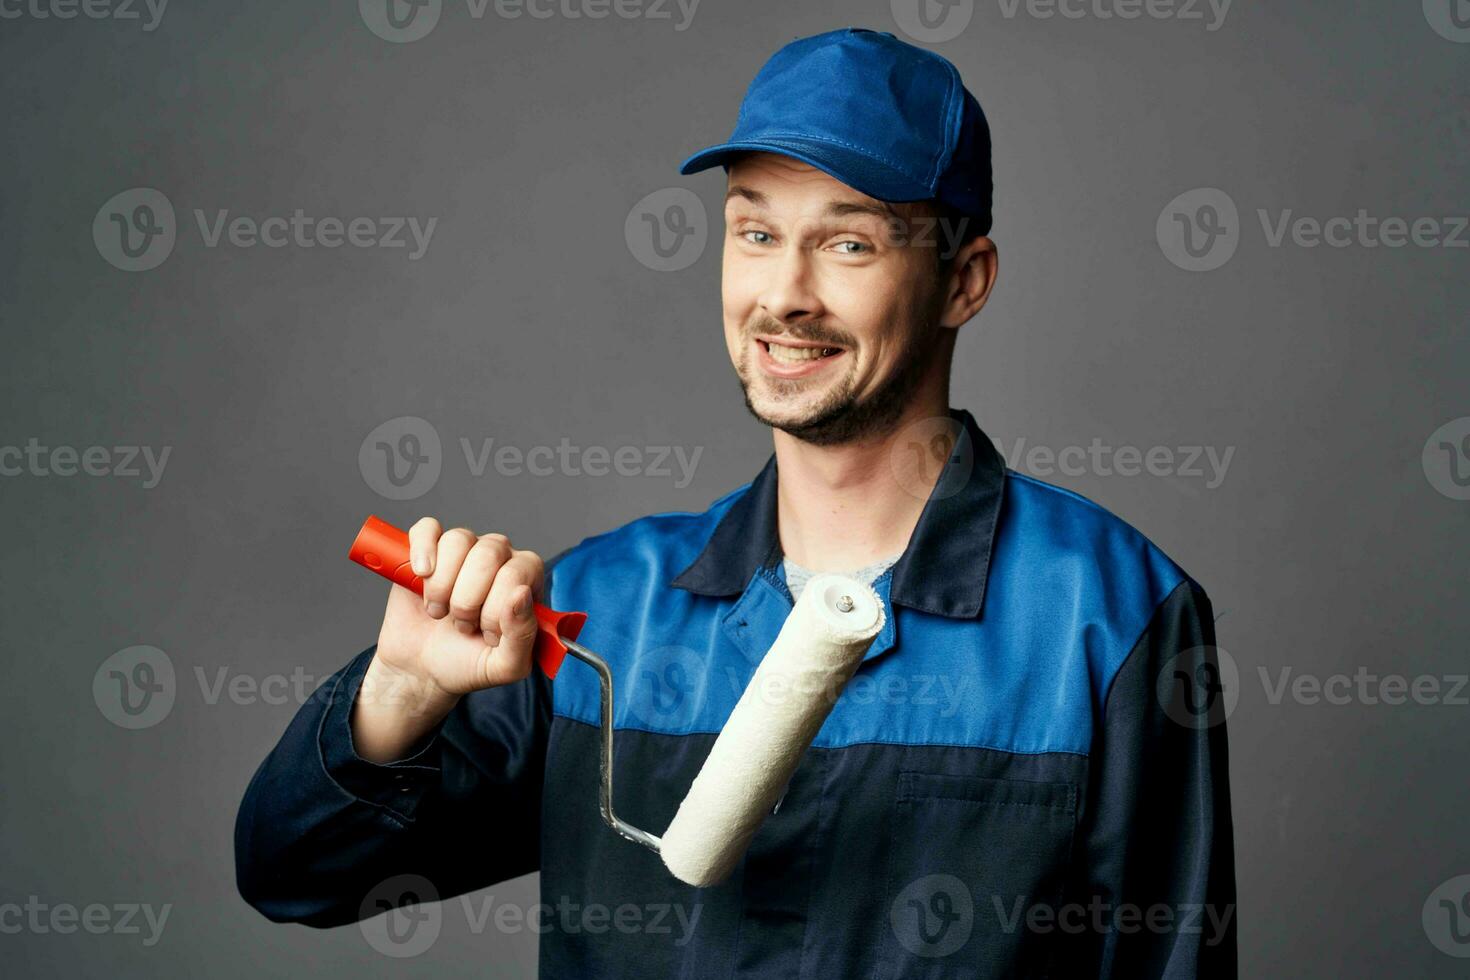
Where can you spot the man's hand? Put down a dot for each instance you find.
(473, 629)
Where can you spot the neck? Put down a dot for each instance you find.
(842, 507)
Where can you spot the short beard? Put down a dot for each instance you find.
(844, 419)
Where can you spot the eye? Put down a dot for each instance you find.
(852, 248)
(757, 237)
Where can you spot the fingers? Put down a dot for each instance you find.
(476, 575)
(509, 617)
(520, 576)
(453, 547)
(479, 581)
(514, 645)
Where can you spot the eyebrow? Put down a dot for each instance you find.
(834, 209)
(841, 209)
(753, 196)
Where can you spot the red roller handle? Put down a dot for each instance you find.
(380, 547)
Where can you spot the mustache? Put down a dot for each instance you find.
(812, 333)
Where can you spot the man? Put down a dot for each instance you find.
(1020, 780)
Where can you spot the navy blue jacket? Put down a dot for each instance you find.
(1027, 776)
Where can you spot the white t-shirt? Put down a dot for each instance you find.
(797, 577)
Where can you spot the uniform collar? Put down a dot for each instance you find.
(945, 566)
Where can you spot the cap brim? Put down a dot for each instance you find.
(862, 173)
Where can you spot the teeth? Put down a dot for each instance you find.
(796, 355)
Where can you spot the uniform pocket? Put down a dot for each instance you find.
(969, 858)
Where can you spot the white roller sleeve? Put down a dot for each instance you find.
(784, 705)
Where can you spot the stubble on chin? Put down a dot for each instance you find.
(840, 417)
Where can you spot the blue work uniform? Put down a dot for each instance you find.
(1026, 777)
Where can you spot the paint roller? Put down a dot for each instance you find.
(780, 712)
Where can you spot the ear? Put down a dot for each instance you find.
(971, 277)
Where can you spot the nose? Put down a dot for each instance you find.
(790, 293)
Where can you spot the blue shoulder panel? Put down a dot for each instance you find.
(1072, 588)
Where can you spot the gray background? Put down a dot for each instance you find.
(1327, 547)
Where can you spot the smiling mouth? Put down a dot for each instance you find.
(796, 354)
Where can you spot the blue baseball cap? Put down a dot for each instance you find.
(884, 117)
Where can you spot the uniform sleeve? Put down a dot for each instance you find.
(320, 826)
(1158, 859)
